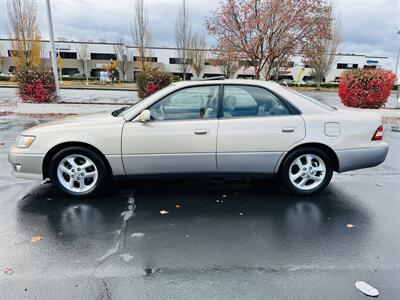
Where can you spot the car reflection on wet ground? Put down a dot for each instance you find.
(231, 238)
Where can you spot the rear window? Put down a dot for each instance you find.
(312, 100)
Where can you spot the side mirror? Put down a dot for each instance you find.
(144, 116)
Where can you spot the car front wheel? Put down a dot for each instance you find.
(78, 171)
(306, 171)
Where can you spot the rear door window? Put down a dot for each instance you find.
(251, 101)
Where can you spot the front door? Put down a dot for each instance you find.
(180, 138)
(255, 129)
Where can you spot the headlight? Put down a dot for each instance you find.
(24, 141)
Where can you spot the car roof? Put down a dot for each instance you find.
(304, 106)
(225, 81)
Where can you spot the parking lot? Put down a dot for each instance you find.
(200, 238)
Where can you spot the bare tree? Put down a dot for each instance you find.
(24, 34)
(122, 56)
(141, 35)
(267, 32)
(321, 56)
(83, 55)
(183, 32)
(197, 53)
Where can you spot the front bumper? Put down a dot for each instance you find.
(353, 159)
(25, 165)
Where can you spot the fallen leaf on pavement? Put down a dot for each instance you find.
(241, 214)
(177, 206)
(37, 238)
(378, 184)
(137, 234)
(126, 257)
(76, 206)
(349, 225)
(365, 288)
(164, 212)
(8, 271)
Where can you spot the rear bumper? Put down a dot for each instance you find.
(353, 159)
(26, 166)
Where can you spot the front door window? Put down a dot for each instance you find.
(192, 103)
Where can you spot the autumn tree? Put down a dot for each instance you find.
(24, 34)
(197, 53)
(321, 55)
(122, 56)
(183, 33)
(227, 59)
(83, 55)
(267, 32)
(141, 35)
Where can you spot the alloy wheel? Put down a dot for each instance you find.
(307, 171)
(77, 173)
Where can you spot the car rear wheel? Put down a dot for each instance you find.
(78, 171)
(306, 171)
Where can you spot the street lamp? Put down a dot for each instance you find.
(397, 72)
(53, 50)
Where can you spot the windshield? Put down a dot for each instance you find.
(313, 100)
(123, 110)
(119, 111)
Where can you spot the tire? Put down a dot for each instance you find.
(84, 167)
(315, 167)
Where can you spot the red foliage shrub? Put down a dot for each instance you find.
(366, 88)
(150, 82)
(36, 86)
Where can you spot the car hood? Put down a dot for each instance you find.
(81, 121)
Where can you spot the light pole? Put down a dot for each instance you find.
(397, 72)
(53, 50)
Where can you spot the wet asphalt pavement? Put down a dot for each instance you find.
(222, 239)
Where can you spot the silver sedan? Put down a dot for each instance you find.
(218, 127)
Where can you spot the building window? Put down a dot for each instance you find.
(178, 61)
(213, 62)
(149, 59)
(12, 53)
(69, 71)
(342, 66)
(369, 67)
(68, 55)
(103, 56)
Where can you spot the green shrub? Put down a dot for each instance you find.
(4, 78)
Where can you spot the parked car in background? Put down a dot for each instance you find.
(217, 127)
(7, 74)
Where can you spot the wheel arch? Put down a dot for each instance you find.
(50, 154)
(328, 150)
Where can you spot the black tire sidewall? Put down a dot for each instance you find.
(284, 171)
(98, 161)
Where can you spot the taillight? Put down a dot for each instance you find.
(378, 134)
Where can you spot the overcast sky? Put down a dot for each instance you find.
(367, 26)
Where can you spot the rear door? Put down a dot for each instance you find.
(255, 128)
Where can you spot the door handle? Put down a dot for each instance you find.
(288, 129)
(201, 131)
